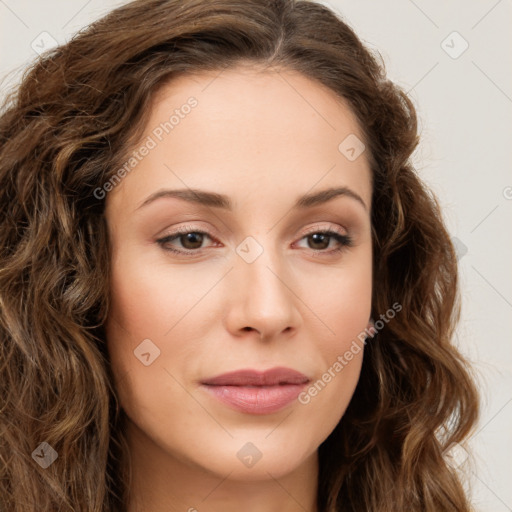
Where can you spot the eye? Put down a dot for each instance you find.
(320, 240)
(192, 239)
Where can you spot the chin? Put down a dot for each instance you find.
(255, 461)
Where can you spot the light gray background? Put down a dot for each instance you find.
(464, 104)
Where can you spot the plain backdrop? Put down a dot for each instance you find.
(453, 58)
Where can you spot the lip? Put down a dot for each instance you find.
(255, 392)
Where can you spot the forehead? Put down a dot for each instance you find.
(248, 93)
(249, 129)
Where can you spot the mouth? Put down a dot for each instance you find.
(254, 392)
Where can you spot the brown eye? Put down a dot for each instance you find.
(190, 240)
(319, 241)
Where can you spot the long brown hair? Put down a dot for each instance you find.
(64, 132)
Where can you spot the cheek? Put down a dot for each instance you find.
(141, 313)
(136, 296)
(344, 304)
(147, 300)
(341, 350)
(344, 308)
(135, 307)
(148, 310)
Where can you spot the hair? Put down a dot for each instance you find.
(65, 130)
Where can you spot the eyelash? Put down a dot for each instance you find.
(345, 241)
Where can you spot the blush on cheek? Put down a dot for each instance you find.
(132, 299)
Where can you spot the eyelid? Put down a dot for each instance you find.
(345, 240)
(318, 227)
(188, 228)
(330, 227)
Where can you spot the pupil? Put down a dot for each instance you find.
(189, 237)
(316, 235)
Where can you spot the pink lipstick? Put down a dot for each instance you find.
(254, 392)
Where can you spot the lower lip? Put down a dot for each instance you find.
(256, 400)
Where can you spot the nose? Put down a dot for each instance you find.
(263, 298)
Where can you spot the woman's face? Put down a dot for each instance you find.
(252, 286)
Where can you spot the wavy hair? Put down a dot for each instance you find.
(65, 130)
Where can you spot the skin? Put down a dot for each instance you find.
(263, 138)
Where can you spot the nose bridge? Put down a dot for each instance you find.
(263, 269)
(264, 299)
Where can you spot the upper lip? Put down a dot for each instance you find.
(271, 377)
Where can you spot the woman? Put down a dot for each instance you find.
(173, 336)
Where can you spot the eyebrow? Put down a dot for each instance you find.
(215, 200)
